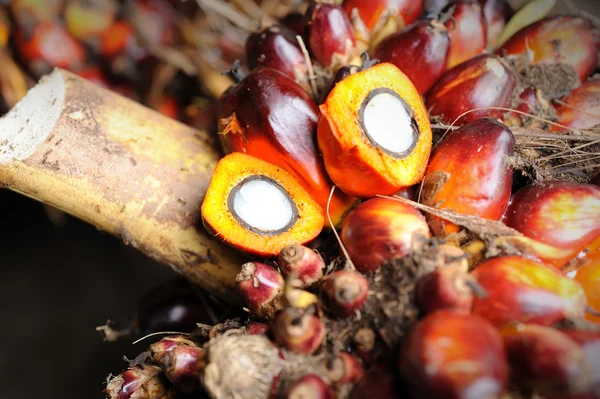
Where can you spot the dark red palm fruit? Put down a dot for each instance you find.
(581, 108)
(405, 12)
(173, 306)
(155, 21)
(301, 263)
(344, 292)
(145, 382)
(378, 382)
(526, 291)
(381, 229)
(87, 19)
(294, 21)
(454, 355)
(49, 45)
(274, 47)
(446, 287)
(468, 173)
(496, 13)
(467, 29)
(545, 360)
(261, 287)
(564, 215)
(182, 366)
(298, 330)
(554, 40)
(484, 81)
(421, 52)
(269, 116)
(29, 13)
(158, 349)
(329, 34)
(309, 386)
(342, 368)
(257, 328)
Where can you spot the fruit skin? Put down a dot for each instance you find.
(565, 215)
(355, 165)
(330, 34)
(469, 173)
(496, 13)
(554, 40)
(583, 106)
(309, 386)
(271, 117)
(261, 287)
(427, 42)
(484, 81)
(526, 291)
(345, 292)
(405, 12)
(454, 355)
(276, 48)
(590, 344)
(343, 368)
(298, 330)
(183, 366)
(301, 263)
(138, 382)
(468, 31)
(379, 230)
(588, 275)
(546, 360)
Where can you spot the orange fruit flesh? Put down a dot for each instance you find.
(219, 219)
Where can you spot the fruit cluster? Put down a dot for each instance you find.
(455, 155)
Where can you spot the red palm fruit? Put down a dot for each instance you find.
(581, 108)
(302, 263)
(257, 328)
(343, 368)
(379, 230)
(120, 49)
(554, 40)
(182, 366)
(155, 21)
(261, 287)
(405, 12)
(532, 102)
(428, 44)
(588, 275)
(484, 81)
(526, 291)
(378, 382)
(330, 34)
(590, 344)
(310, 386)
(48, 45)
(545, 360)
(454, 355)
(294, 21)
(564, 215)
(467, 30)
(29, 13)
(87, 19)
(446, 287)
(271, 117)
(468, 173)
(159, 349)
(298, 330)
(496, 13)
(345, 292)
(145, 382)
(274, 47)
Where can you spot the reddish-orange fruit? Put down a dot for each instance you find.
(310, 386)
(269, 116)
(330, 34)
(581, 108)
(258, 207)
(564, 39)
(588, 275)
(454, 355)
(381, 229)
(345, 292)
(374, 132)
(404, 12)
(523, 290)
(302, 263)
(564, 215)
(343, 368)
(496, 13)
(298, 330)
(118, 40)
(48, 45)
(546, 360)
(87, 19)
(261, 287)
(484, 81)
(468, 173)
(428, 44)
(468, 31)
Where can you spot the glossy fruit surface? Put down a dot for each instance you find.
(523, 290)
(588, 275)
(345, 292)
(372, 11)
(379, 230)
(469, 174)
(581, 108)
(428, 44)
(482, 82)
(261, 287)
(468, 31)
(496, 13)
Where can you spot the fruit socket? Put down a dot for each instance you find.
(342, 369)
(298, 330)
(261, 287)
(345, 292)
(302, 263)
